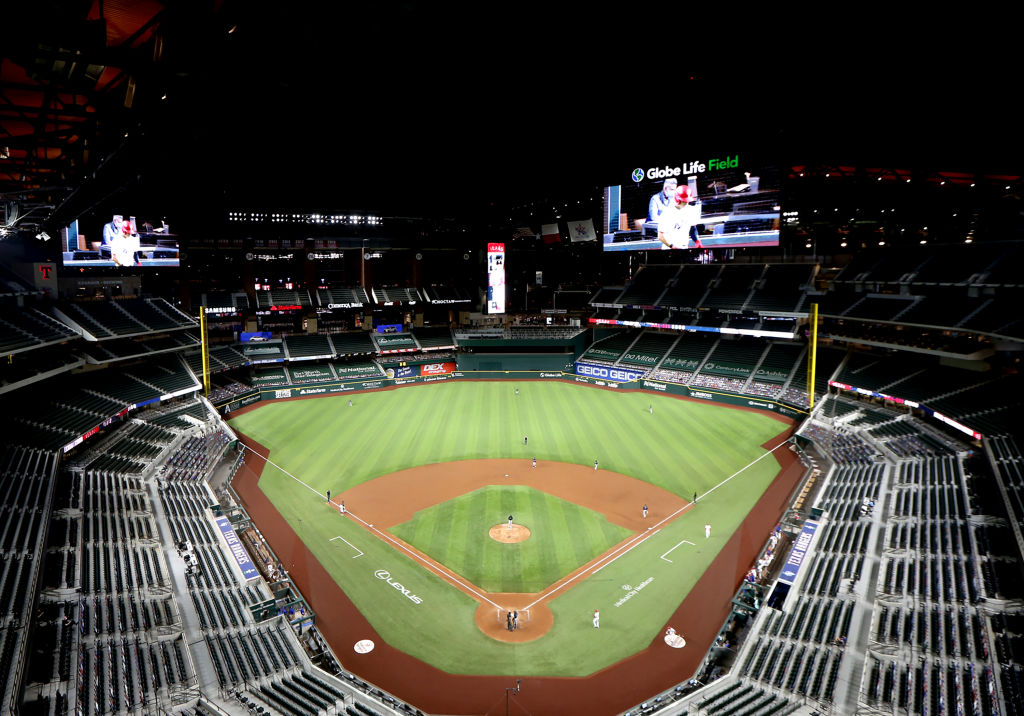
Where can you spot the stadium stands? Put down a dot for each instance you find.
(280, 297)
(27, 328)
(353, 344)
(342, 296)
(396, 342)
(394, 295)
(649, 349)
(431, 339)
(309, 347)
(612, 348)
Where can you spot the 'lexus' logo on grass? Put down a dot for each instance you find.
(386, 576)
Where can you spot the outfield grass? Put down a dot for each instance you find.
(563, 537)
(684, 447)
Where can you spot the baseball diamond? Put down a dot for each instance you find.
(423, 473)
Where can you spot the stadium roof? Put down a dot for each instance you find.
(418, 108)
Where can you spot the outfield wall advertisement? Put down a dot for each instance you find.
(619, 375)
(599, 375)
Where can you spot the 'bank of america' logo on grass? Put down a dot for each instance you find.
(638, 175)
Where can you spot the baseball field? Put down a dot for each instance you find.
(430, 475)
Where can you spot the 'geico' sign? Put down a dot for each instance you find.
(601, 371)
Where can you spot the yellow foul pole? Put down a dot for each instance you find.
(814, 354)
(206, 351)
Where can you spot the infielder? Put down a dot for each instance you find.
(645, 511)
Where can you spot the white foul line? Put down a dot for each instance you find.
(633, 543)
(349, 544)
(685, 541)
(432, 567)
(628, 547)
(636, 545)
(444, 574)
(284, 471)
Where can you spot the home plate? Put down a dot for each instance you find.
(364, 646)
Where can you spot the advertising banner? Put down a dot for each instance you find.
(404, 371)
(607, 372)
(791, 568)
(245, 564)
(437, 368)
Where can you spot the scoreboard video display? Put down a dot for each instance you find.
(724, 201)
(495, 278)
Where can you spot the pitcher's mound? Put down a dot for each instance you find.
(509, 534)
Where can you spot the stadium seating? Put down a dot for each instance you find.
(356, 370)
(648, 285)
(649, 349)
(394, 295)
(612, 348)
(733, 286)
(264, 377)
(25, 328)
(282, 297)
(308, 347)
(264, 352)
(434, 338)
(691, 286)
(342, 296)
(353, 344)
(307, 373)
(390, 342)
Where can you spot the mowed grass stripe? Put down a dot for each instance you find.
(472, 542)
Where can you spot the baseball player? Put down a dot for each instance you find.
(535, 462)
(645, 511)
(707, 531)
(595, 465)
(510, 521)
(341, 508)
(597, 619)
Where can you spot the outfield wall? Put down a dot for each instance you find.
(652, 386)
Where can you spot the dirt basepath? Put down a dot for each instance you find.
(611, 690)
(392, 499)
